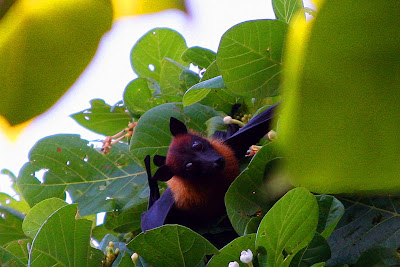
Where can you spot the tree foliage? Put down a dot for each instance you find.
(255, 62)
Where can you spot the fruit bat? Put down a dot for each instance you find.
(198, 172)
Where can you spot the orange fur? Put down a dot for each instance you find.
(206, 198)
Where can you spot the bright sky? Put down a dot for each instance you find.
(110, 70)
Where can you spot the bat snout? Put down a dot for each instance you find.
(219, 163)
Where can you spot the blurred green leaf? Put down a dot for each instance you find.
(172, 245)
(5, 6)
(102, 118)
(123, 8)
(54, 46)
(95, 181)
(285, 9)
(152, 135)
(64, 240)
(249, 57)
(231, 252)
(199, 56)
(248, 197)
(317, 251)
(288, 227)
(39, 214)
(340, 120)
(331, 211)
(148, 53)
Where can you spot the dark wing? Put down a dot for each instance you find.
(158, 207)
(252, 132)
(158, 212)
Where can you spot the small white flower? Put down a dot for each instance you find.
(246, 256)
(233, 264)
(228, 120)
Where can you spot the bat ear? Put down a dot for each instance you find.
(177, 127)
(163, 174)
(159, 160)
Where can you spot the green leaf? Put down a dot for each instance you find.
(366, 223)
(170, 84)
(39, 214)
(9, 259)
(284, 9)
(288, 227)
(317, 251)
(126, 261)
(249, 57)
(231, 252)
(152, 135)
(55, 44)
(188, 79)
(10, 226)
(379, 256)
(64, 240)
(138, 96)
(172, 245)
(199, 91)
(199, 56)
(5, 6)
(95, 181)
(18, 208)
(211, 72)
(341, 118)
(149, 52)
(126, 221)
(100, 231)
(102, 118)
(215, 124)
(330, 212)
(19, 248)
(248, 196)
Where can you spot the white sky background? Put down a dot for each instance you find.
(110, 70)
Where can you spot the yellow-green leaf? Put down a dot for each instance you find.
(44, 46)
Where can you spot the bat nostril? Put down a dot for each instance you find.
(219, 163)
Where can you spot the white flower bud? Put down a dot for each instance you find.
(246, 256)
(271, 135)
(233, 264)
(135, 258)
(228, 120)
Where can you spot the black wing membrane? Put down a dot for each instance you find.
(156, 215)
(252, 132)
(158, 207)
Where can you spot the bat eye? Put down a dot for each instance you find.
(189, 167)
(197, 146)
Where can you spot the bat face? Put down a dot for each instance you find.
(194, 158)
